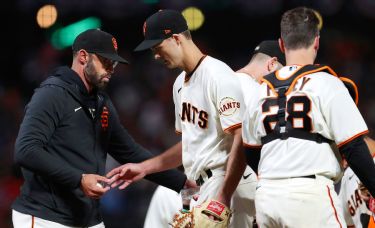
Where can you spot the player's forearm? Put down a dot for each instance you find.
(169, 159)
(33, 157)
(235, 168)
(370, 144)
(359, 159)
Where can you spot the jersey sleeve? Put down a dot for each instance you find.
(249, 86)
(344, 185)
(177, 100)
(229, 101)
(343, 116)
(249, 123)
(43, 114)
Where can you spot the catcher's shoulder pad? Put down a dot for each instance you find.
(352, 88)
(275, 82)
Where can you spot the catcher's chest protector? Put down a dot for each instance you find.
(281, 88)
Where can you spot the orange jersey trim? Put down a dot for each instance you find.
(333, 206)
(178, 132)
(270, 85)
(354, 86)
(233, 127)
(298, 77)
(352, 138)
(371, 223)
(309, 72)
(252, 146)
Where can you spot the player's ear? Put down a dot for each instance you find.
(272, 64)
(316, 43)
(177, 38)
(82, 56)
(281, 45)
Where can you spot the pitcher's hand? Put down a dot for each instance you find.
(125, 175)
(94, 186)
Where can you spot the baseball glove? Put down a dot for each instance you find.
(366, 196)
(210, 214)
(183, 220)
(363, 192)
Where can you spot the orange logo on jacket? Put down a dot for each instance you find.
(104, 118)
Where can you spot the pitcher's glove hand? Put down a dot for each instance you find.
(210, 214)
(363, 192)
(183, 219)
(367, 197)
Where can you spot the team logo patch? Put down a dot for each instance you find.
(228, 106)
(104, 118)
(216, 207)
(144, 28)
(114, 42)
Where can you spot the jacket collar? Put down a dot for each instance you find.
(71, 77)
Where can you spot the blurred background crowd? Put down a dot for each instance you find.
(35, 43)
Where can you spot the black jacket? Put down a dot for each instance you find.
(60, 139)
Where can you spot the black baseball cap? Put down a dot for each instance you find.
(160, 26)
(98, 42)
(271, 48)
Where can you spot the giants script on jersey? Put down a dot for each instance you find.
(193, 115)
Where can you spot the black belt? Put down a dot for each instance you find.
(308, 176)
(200, 180)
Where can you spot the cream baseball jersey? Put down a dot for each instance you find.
(351, 201)
(207, 103)
(250, 86)
(319, 103)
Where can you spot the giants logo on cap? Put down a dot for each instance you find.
(114, 42)
(144, 28)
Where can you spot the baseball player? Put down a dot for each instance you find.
(69, 128)
(267, 57)
(208, 109)
(356, 212)
(164, 204)
(302, 109)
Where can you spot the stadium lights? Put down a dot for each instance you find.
(46, 16)
(194, 17)
(64, 37)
